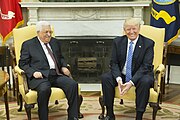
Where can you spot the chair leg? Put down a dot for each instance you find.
(20, 101)
(168, 74)
(56, 102)
(121, 102)
(101, 102)
(155, 107)
(14, 85)
(8, 70)
(17, 89)
(6, 105)
(14, 89)
(80, 99)
(28, 110)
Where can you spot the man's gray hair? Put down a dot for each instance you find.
(40, 24)
(132, 21)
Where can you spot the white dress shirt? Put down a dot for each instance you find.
(124, 68)
(49, 58)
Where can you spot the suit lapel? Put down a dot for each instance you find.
(124, 49)
(53, 46)
(40, 49)
(137, 50)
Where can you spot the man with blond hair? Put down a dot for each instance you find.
(131, 65)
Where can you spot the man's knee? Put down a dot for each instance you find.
(75, 84)
(147, 80)
(105, 77)
(45, 90)
(44, 86)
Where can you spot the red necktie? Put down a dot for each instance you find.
(52, 56)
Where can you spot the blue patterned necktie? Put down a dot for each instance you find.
(129, 62)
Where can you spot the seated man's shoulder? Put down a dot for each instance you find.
(29, 41)
(119, 38)
(148, 40)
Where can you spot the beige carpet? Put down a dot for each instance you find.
(91, 109)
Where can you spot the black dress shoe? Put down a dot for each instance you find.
(80, 115)
(109, 118)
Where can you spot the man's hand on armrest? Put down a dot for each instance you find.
(18, 70)
(65, 71)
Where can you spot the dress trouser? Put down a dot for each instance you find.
(142, 91)
(70, 88)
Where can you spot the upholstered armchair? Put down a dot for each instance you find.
(30, 96)
(156, 34)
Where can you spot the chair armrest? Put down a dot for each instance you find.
(160, 68)
(159, 72)
(22, 74)
(18, 70)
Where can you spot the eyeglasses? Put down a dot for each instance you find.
(47, 32)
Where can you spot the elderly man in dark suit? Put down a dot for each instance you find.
(131, 65)
(41, 59)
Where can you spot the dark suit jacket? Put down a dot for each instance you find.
(33, 59)
(142, 57)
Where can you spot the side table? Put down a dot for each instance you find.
(173, 57)
(4, 78)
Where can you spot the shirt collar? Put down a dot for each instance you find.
(134, 41)
(41, 41)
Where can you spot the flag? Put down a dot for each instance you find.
(165, 14)
(10, 17)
